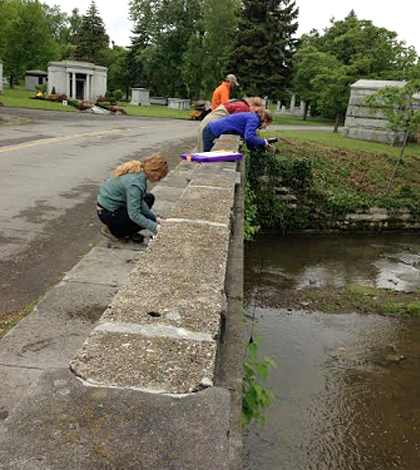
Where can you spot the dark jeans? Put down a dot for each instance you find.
(119, 223)
(208, 139)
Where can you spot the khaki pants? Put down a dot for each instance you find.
(218, 113)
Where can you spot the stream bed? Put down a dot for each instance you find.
(347, 384)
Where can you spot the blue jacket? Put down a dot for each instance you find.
(243, 124)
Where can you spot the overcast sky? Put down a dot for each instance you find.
(402, 17)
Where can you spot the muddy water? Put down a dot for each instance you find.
(347, 386)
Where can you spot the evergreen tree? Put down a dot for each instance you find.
(91, 40)
(262, 55)
(163, 29)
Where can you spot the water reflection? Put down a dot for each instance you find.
(347, 386)
(298, 262)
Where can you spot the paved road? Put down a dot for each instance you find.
(51, 164)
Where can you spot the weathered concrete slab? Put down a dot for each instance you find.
(167, 193)
(57, 327)
(163, 310)
(156, 364)
(49, 337)
(224, 179)
(191, 298)
(164, 208)
(64, 425)
(212, 204)
(14, 384)
(103, 265)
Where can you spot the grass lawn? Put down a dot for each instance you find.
(335, 139)
(21, 98)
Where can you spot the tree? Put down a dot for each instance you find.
(401, 110)
(262, 53)
(118, 73)
(219, 30)
(370, 51)
(163, 29)
(326, 65)
(8, 13)
(307, 64)
(28, 43)
(91, 39)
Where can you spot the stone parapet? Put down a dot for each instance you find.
(160, 332)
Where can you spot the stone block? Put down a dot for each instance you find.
(179, 281)
(156, 364)
(212, 204)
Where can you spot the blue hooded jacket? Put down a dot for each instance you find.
(243, 124)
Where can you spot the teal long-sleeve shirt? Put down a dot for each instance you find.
(128, 190)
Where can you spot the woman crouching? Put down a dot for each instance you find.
(124, 205)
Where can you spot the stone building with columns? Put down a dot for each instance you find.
(78, 80)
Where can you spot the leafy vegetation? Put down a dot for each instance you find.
(256, 399)
(400, 109)
(307, 185)
(91, 38)
(266, 28)
(350, 298)
(184, 48)
(327, 64)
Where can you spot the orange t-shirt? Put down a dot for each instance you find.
(220, 95)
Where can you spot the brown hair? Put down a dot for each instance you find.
(154, 166)
(133, 166)
(265, 115)
(255, 101)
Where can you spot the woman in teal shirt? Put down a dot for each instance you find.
(124, 205)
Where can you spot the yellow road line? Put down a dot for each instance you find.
(52, 140)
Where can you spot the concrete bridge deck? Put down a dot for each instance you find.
(155, 381)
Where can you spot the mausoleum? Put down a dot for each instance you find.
(364, 123)
(34, 78)
(77, 80)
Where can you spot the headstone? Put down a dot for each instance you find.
(177, 103)
(161, 100)
(140, 97)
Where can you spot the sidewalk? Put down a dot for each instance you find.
(51, 420)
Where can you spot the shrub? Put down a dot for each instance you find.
(103, 104)
(58, 97)
(42, 87)
(53, 97)
(83, 105)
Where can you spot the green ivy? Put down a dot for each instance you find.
(328, 183)
(255, 397)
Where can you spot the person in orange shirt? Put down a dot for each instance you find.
(222, 92)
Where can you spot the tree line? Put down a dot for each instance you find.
(183, 48)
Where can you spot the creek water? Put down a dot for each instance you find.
(347, 386)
